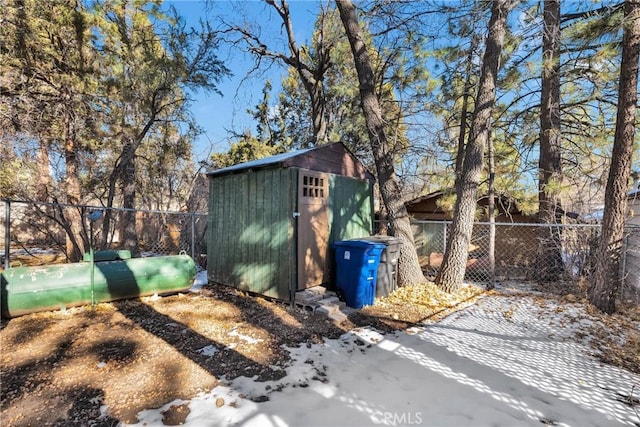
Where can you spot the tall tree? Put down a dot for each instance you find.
(606, 278)
(588, 68)
(153, 60)
(48, 79)
(549, 265)
(328, 56)
(310, 71)
(342, 98)
(86, 85)
(268, 141)
(409, 272)
(459, 63)
(453, 267)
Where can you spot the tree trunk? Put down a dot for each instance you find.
(108, 218)
(43, 178)
(462, 137)
(549, 265)
(606, 278)
(124, 171)
(454, 264)
(128, 198)
(492, 215)
(318, 107)
(409, 272)
(310, 74)
(73, 215)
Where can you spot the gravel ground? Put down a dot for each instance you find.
(61, 368)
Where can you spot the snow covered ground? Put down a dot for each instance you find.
(200, 281)
(505, 361)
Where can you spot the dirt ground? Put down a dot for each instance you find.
(60, 368)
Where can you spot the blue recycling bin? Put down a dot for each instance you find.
(356, 270)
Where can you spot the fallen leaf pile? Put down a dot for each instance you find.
(409, 305)
(616, 337)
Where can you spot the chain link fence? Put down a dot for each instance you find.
(517, 252)
(37, 233)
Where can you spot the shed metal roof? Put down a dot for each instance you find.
(333, 158)
(275, 161)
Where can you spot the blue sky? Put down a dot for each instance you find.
(216, 114)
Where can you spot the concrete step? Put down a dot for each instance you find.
(324, 303)
(331, 300)
(325, 310)
(312, 295)
(337, 316)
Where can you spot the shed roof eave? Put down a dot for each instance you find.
(303, 159)
(273, 161)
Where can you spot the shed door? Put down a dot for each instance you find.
(313, 228)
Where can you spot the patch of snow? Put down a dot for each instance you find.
(34, 251)
(200, 281)
(595, 215)
(154, 417)
(154, 297)
(209, 350)
(151, 254)
(104, 412)
(507, 360)
(247, 338)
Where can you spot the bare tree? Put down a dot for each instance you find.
(606, 278)
(311, 72)
(453, 267)
(409, 272)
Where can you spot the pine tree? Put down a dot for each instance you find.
(453, 267)
(409, 272)
(606, 278)
(549, 265)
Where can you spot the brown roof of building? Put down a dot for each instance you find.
(428, 204)
(333, 158)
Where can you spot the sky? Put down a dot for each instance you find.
(514, 359)
(218, 114)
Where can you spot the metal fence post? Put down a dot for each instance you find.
(444, 236)
(193, 236)
(7, 230)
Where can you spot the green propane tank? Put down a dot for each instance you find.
(109, 255)
(31, 289)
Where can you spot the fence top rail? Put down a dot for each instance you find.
(512, 224)
(67, 205)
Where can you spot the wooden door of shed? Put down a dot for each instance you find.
(313, 228)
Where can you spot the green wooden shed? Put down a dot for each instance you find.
(272, 221)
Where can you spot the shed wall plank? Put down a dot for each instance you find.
(252, 245)
(350, 207)
(249, 240)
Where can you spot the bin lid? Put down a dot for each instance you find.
(359, 243)
(387, 240)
